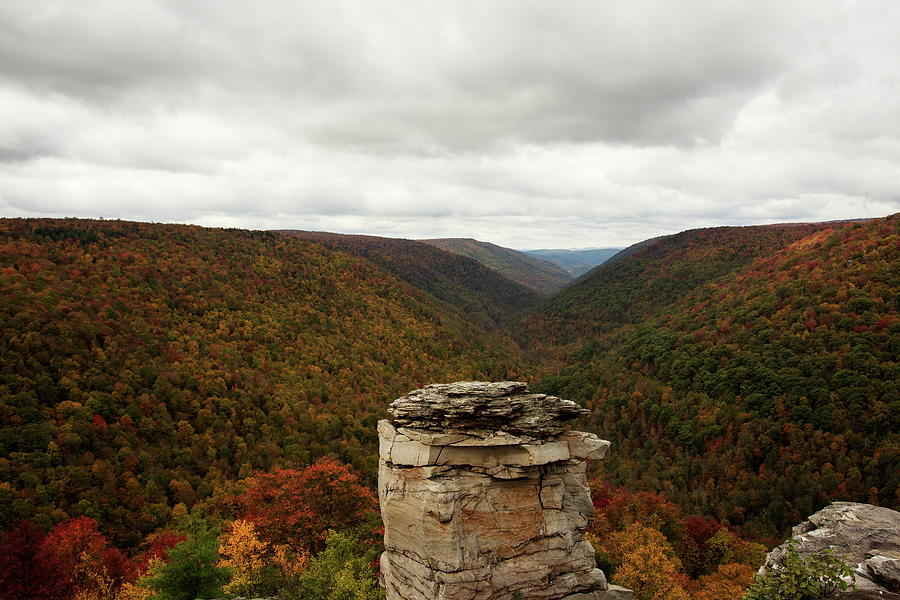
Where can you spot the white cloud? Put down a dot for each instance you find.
(523, 123)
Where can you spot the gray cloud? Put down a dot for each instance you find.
(525, 123)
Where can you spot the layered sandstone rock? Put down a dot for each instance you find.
(484, 496)
(865, 537)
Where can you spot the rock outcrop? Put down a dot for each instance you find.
(865, 537)
(484, 496)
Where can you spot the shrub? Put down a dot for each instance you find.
(343, 571)
(812, 577)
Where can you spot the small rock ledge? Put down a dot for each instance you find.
(863, 536)
(484, 496)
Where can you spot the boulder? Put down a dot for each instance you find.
(616, 592)
(865, 537)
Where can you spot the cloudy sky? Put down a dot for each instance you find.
(529, 124)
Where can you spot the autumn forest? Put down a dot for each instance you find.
(189, 412)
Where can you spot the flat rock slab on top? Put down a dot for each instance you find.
(471, 406)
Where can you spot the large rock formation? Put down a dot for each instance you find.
(865, 537)
(484, 496)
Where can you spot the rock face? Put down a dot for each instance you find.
(484, 496)
(865, 537)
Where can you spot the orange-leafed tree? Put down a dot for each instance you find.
(299, 507)
(729, 582)
(647, 563)
(618, 506)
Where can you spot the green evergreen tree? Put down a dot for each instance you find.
(191, 570)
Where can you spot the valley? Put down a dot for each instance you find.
(749, 373)
(746, 374)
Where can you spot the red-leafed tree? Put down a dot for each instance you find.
(617, 506)
(156, 546)
(298, 507)
(78, 557)
(699, 558)
(22, 575)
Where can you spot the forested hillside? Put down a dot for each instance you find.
(144, 366)
(655, 275)
(750, 373)
(465, 285)
(543, 276)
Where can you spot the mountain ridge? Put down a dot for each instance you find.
(538, 274)
(479, 292)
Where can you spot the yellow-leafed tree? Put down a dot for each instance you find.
(245, 554)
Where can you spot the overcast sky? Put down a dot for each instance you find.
(555, 124)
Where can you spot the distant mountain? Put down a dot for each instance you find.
(749, 372)
(479, 292)
(536, 273)
(144, 366)
(575, 262)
